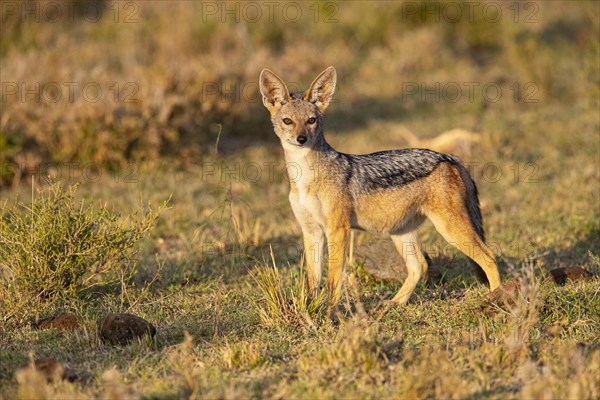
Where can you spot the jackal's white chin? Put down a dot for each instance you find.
(290, 143)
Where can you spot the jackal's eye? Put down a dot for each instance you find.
(287, 121)
(312, 120)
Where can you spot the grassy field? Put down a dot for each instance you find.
(525, 87)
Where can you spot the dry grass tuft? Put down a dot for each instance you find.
(242, 355)
(115, 388)
(185, 362)
(32, 383)
(283, 303)
(524, 315)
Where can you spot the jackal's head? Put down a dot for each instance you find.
(297, 117)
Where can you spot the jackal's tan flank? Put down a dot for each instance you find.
(390, 191)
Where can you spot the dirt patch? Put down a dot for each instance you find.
(60, 321)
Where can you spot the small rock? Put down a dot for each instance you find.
(383, 273)
(572, 274)
(120, 329)
(506, 294)
(394, 272)
(60, 321)
(50, 369)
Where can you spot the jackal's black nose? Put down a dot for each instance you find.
(301, 139)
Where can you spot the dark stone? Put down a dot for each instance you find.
(60, 321)
(120, 329)
(572, 274)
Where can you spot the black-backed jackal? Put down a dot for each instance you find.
(390, 191)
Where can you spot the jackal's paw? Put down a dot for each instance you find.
(335, 314)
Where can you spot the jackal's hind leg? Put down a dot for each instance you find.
(460, 233)
(409, 248)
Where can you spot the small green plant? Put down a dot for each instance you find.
(287, 304)
(242, 355)
(595, 260)
(59, 248)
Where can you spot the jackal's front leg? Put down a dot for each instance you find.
(314, 242)
(337, 238)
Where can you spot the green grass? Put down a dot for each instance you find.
(60, 249)
(228, 323)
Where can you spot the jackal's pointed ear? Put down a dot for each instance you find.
(321, 90)
(273, 90)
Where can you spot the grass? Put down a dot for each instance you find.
(287, 302)
(217, 336)
(60, 249)
(219, 273)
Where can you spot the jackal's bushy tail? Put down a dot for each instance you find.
(472, 205)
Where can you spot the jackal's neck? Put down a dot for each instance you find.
(303, 163)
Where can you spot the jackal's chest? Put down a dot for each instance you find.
(308, 207)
